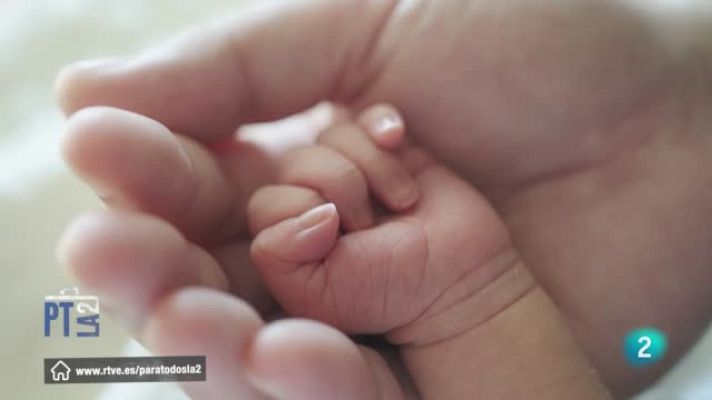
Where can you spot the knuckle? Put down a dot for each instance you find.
(347, 174)
(319, 168)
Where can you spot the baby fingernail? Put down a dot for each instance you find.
(386, 123)
(315, 216)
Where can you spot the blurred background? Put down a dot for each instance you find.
(38, 195)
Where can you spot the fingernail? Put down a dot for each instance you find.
(385, 127)
(385, 124)
(315, 216)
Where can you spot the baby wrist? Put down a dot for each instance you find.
(483, 294)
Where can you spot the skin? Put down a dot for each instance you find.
(585, 125)
(404, 266)
(437, 274)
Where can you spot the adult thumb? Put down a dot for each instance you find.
(267, 61)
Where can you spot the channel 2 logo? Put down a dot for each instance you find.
(71, 313)
(644, 346)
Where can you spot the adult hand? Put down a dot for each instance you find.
(166, 285)
(583, 122)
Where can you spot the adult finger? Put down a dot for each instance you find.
(132, 260)
(239, 69)
(286, 360)
(244, 279)
(201, 321)
(303, 359)
(134, 162)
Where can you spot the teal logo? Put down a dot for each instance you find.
(644, 346)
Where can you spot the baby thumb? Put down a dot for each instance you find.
(308, 238)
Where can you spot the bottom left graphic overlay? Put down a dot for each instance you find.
(124, 369)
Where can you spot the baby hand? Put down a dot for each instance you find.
(430, 260)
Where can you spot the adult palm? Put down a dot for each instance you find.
(583, 122)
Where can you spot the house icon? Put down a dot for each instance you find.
(60, 371)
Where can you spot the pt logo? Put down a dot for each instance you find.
(71, 313)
